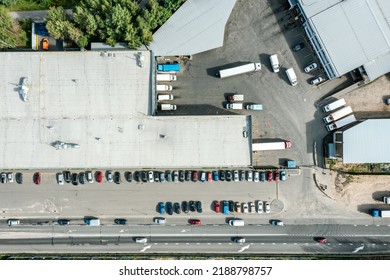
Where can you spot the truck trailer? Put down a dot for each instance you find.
(234, 106)
(168, 107)
(246, 68)
(235, 97)
(340, 123)
(168, 67)
(164, 87)
(268, 146)
(165, 77)
(334, 105)
(378, 213)
(338, 114)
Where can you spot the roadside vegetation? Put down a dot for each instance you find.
(30, 5)
(11, 33)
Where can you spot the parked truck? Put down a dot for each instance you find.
(168, 107)
(257, 107)
(165, 77)
(291, 76)
(164, 87)
(267, 146)
(334, 105)
(162, 97)
(246, 68)
(340, 123)
(92, 222)
(386, 199)
(168, 67)
(274, 63)
(235, 97)
(234, 106)
(378, 213)
(338, 114)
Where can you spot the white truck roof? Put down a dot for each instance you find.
(334, 105)
(292, 77)
(246, 68)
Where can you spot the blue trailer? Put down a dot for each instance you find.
(168, 67)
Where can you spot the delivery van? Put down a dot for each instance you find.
(237, 223)
(162, 97)
(291, 76)
(274, 63)
(164, 87)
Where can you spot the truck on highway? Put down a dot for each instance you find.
(165, 77)
(234, 106)
(334, 105)
(378, 213)
(168, 67)
(267, 146)
(338, 114)
(164, 88)
(235, 97)
(92, 222)
(340, 123)
(274, 63)
(168, 107)
(291, 76)
(246, 68)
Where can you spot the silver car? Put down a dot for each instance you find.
(160, 220)
(267, 207)
(150, 176)
(235, 176)
(249, 176)
(260, 207)
(317, 80)
(256, 176)
(10, 177)
(311, 67)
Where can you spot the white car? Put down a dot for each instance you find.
(239, 240)
(10, 177)
(235, 176)
(317, 80)
(89, 176)
(249, 176)
(256, 176)
(251, 207)
(141, 240)
(245, 207)
(60, 178)
(267, 207)
(3, 178)
(260, 207)
(109, 177)
(311, 67)
(159, 220)
(151, 176)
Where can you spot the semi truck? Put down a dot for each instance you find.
(268, 146)
(165, 77)
(162, 97)
(257, 107)
(334, 105)
(235, 97)
(338, 114)
(164, 87)
(378, 213)
(234, 106)
(246, 68)
(274, 63)
(291, 76)
(340, 123)
(92, 222)
(168, 67)
(168, 107)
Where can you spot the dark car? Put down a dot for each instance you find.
(229, 175)
(129, 176)
(298, 47)
(168, 174)
(181, 176)
(185, 207)
(199, 206)
(144, 176)
(276, 176)
(19, 178)
(222, 176)
(117, 177)
(176, 207)
(137, 176)
(63, 222)
(37, 178)
(188, 175)
(231, 206)
(75, 178)
(320, 239)
(262, 176)
(99, 176)
(270, 176)
(82, 178)
(194, 222)
(120, 221)
(156, 176)
(194, 176)
(67, 176)
(169, 208)
(192, 206)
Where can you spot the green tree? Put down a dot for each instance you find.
(8, 3)
(11, 34)
(57, 22)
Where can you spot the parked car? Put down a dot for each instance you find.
(267, 206)
(37, 178)
(89, 177)
(229, 175)
(217, 206)
(277, 223)
(235, 176)
(238, 240)
(256, 176)
(45, 44)
(262, 176)
(75, 179)
(159, 220)
(162, 177)
(182, 176)
(298, 47)
(249, 177)
(60, 179)
(192, 206)
(202, 176)
(175, 176)
(276, 176)
(150, 176)
(238, 207)
(19, 178)
(282, 175)
(120, 221)
(245, 208)
(215, 175)
(169, 208)
(10, 177)
(156, 176)
(260, 207)
(82, 178)
(144, 176)
(129, 176)
(137, 176)
(222, 175)
(231, 206)
(311, 67)
(185, 206)
(209, 176)
(63, 222)
(269, 176)
(161, 208)
(109, 176)
(99, 176)
(176, 207)
(251, 207)
(242, 175)
(199, 206)
(188, 175)
(194, 222)
(3, 178)
(317, 80)
(117, 177)
(194, 176)
(168, 175)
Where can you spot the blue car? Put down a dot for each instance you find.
(215, 175)
(162, 208)
(169, 208)
(225, 207)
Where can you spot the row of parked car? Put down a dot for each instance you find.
(176, 207)
(9, 178)
(226, 206)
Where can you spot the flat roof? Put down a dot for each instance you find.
(102, 102)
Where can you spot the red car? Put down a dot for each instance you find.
(37, 178)
(321, 239)
(194, 176)
(194, 222)
(99, 176)
(209, 177)
(217, 206)
(270, 176)
(276, 176)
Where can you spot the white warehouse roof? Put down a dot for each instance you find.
(198, 26)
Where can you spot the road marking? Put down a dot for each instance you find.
(145, 248)
(243, 248)
(358, 249)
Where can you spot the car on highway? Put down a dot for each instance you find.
(82, 178)
(109, 176)
(185, 207)
(267, 207)
(270, 176)
(282, 175)
(194, 222)
(99, 176)
(217, 206)
(199, 206)
(276, 176)
(161, 208)
(182, 176)
(229, 175)
(192, 206)
(311, 67)
(60, 179)
(238, 240)
(140, 240)
(215, 175)
(37, 178)
(175, 176)
(260, 206)
(249, 176)
(245, 208)
(320, 239)
(262, 176)
(317, 80)
(13, 222)
(298, 47)
(169, 208)
(19, 178)
(129, 176)
(45, 44)
(238, 207)
(277, 223)
(231, 206)
(10, 177)
(202, 176)
(256, 176)
(89, 177)
(150, 176)
(117, 177)
(159, 220)
(120, 221)
(63, 222)
(137, 176)
(209, 176)
(75, 179)
(156, 176)
(194, 176)
(251, 206)
(176, 207)
(222, 175)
